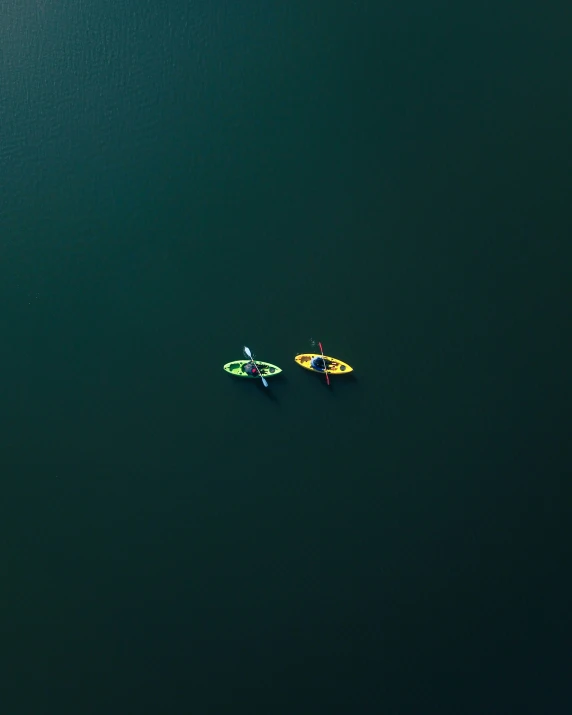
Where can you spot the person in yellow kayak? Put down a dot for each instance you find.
(318, 363)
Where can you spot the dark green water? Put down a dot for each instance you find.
(179, 179)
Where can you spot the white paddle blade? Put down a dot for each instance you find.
(264, 382)
(247, 352)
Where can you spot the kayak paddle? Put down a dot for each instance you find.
(325, 366)
(249, 355)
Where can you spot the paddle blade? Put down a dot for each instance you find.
(247, 352)
(264, 382)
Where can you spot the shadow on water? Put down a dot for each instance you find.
(275, 384)
(268, 392)
(336, 381)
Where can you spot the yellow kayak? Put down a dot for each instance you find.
(333, 365)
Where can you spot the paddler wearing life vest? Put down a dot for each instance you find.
(318, 363)
(251, 369)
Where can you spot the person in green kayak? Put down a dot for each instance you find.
(250, 369)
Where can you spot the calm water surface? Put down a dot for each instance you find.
(180, 179)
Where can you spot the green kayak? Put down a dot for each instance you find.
(246, 368)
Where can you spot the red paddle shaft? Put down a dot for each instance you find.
(325, 368)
